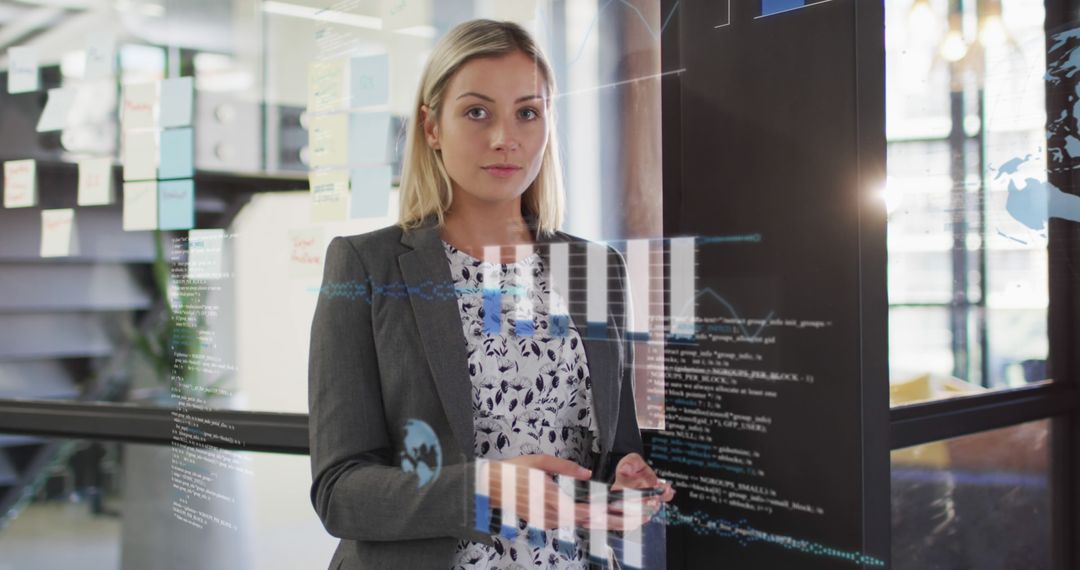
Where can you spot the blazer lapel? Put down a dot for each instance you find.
(425, 269)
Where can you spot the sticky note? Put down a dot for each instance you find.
(306, 252)
(205, 249)
(22, 69)
(20, 183)
(140, 155)
(369, 80)
(176, 205)
(326, 86)
(369, 138)
(328, 140)
(58, 233)
(137, 110)
(100, 57)
(329, 196)
(370, 193)
(177, 154)
(95, 182)
(176, 96)
(140, 206)
(404, 14)
(57, 113)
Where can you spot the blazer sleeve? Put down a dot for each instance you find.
(627, 432)
(357, 489)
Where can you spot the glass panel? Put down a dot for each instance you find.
(967, 193)
(978, 501)
(235, 333)
(104, 505)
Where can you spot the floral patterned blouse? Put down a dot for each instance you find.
(531, 393)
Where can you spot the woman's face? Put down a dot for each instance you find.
(492, 129)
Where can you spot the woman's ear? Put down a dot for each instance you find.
(431, 127)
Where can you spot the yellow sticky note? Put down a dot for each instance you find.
(58, 233)
(328, 140)
(140, 206)
(140, 155)
(329, 196)
(306, 252)
(95, 182)
(20, 183)
(139, 102)
(326, 86)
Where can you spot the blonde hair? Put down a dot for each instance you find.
(425, 185)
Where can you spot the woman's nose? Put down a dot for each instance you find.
(502, 138)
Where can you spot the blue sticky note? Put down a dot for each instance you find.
(770, 7)
(176, 95)
(369, 80)
(369, 138)
(177, 153)
(370, 194)
(176, 205)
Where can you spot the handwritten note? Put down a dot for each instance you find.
(176, 96)
(57, 113)
(100, 57)
(176, 205)
(328, 140)
(329, 196)
(369, 138)
(95, 182)
(370, 196)
(140, 206)
(20, 183)
(58, 233)
(139, 101)
(205, 249)
(306, 252)
(369, 80)
(140, 155)
(326, 86)
(22, 69)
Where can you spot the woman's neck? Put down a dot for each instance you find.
(470, 227)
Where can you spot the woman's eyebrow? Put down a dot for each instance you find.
(489, 99)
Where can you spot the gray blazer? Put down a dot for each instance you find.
(387, 346)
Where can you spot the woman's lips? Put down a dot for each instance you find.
(502, 170)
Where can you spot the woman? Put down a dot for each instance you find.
(414, 333)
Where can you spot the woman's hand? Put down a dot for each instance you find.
(551, 466)
(633, 472)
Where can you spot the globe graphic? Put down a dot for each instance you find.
(422, 454)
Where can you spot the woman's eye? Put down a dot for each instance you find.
(529, 114)
(476, 113)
